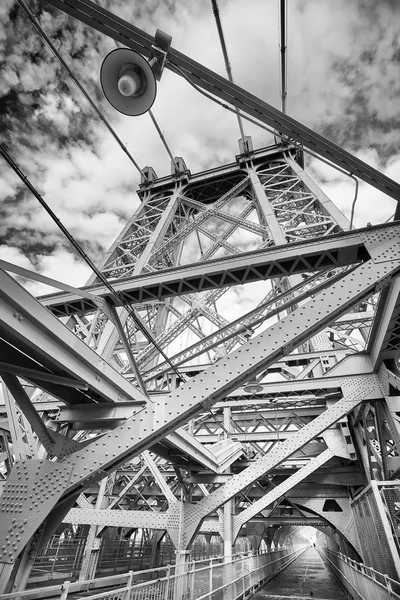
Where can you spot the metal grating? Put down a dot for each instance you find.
(373, 540)
(391, 496)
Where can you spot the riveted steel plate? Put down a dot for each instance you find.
(31, 491)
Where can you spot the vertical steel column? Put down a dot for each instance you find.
(228, 541)
(327, 206)
(265, 210)
(107, 256)
(92, 546)
(159, 232)
(228, 521)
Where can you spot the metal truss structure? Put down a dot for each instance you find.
(171, 404)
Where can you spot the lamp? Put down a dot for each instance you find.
(128, 82)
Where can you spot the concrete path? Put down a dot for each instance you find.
(307, 577)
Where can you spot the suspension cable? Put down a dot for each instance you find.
(50, 44)
(70, 238)
(118, 297)
(226, 58)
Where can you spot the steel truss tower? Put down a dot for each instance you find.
(192, 414)
(237, 376)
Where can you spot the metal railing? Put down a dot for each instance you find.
(62, 557)
(212, 579)
(362, 582)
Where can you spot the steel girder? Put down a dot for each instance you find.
(157, 520)
(117, 518)
(355, 390)
(385, 336)
(281, 489)
(158, 419)
(233, 332)
(136, 39)
(32, 338)
(338, 250)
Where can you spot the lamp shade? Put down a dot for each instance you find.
(128, 82)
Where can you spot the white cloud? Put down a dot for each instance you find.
(61, 266)
(90, 183)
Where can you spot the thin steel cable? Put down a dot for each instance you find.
(283, 47)
(354, 204)
(74, 243)
(154, 119)
(226, 58)
(50, 44)
(262, 126)
(70, 238)
(117, 296)
(161, 134)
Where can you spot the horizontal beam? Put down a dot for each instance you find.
(154, 520)
(117, 29)
(117, 518)
(109, 452)
(259, 436)
(162, 418)
(343, 249)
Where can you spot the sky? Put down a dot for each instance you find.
(343, 81)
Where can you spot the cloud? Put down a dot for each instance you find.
(372, 206)
(61, 265)
(342, 80)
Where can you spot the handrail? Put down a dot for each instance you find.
(161, 575)
(367, 577)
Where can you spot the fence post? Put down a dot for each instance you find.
(168, 576)
(130, 581)
(192, 579)
(64, 590)
(181, 574)
(388, 584)
(210, 578)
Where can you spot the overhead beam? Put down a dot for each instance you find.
(153, 520)
(107, 453)
(160, 419)
(106, 517)
(355, 391)
(338, 250)
(117, 29)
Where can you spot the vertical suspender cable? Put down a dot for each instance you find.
(283, 31)
(161, 134)
(226, 58)
(155, 121)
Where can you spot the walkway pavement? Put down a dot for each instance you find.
(307, 577)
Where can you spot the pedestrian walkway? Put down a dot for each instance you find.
(307, 577)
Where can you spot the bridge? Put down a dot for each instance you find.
(215, 414)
